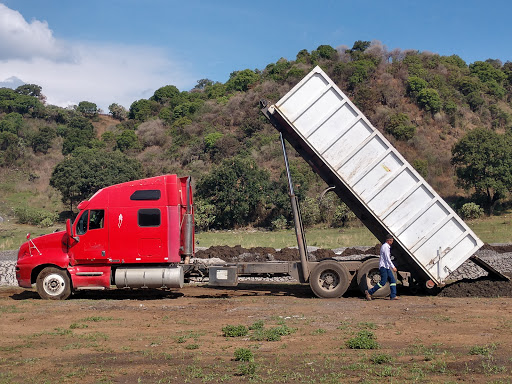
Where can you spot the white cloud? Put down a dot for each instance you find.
(100, 73)
(22, 40)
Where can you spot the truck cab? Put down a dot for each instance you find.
(138, 228)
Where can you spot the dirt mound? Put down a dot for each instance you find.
(355, 251)
(504, 248)
(321, 254)
(482, 287)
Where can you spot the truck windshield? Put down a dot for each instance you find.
(93, 219)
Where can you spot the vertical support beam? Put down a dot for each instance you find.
(297, 219)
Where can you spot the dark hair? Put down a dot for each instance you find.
(389, 237)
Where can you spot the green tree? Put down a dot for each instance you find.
(87, 109)
(42, 140)
(429, 100)
(127, 140)
(168, 94)
(327, 52)
(238, 189)
(400, 127)
(415, 84)
(483, 161)
(31, 90)
(241, 80)
(140, 110)
(117, 111)
(88, 170)
(78, 133)
(10, 150)
(12, 122)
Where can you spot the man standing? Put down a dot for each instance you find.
(386, 268)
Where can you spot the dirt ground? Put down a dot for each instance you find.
(151, 336)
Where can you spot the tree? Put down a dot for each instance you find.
(31, 90)
(238, 189)
(415, 84)
(127, 140)
(87, 109)
(241, 80)
(429, 100)
(167, 94)
(327, 52)
(42, 140)
(400, 127)
(88, 170)
(483, 161)
(140, 110)
(78, 133)
(12, 122)
(117, 111)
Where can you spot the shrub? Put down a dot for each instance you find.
(429, 100)
(471, 211)
(364, 340)
(342, 215)
(380, 358)
(244, 354)
(400, 127)
(235, 330)
(35, 216)
(279, 223)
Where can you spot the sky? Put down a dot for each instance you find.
(120, 51)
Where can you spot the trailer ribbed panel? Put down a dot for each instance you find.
(329, 127)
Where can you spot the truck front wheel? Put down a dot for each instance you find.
(53, 284)
(329, 279)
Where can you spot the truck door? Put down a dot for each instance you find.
(92, 232)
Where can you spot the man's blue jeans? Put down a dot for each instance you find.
(385, 276)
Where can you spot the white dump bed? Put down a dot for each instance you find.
(326, 124)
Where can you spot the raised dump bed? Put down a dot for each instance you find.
(373, 179)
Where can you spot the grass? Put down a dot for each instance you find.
(317, 237)
(495, 229)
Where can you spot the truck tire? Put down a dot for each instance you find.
(53, 284)
(368, 275)
(329, 279)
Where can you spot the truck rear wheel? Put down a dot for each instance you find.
(53, 284)
(369, 275)
(329, 279)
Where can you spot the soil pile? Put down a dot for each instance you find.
(482, 287)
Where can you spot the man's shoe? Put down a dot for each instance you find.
(394, 298)
(367, 295)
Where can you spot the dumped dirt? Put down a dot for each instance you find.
(152, 336)
(482, 287)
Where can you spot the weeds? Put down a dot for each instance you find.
(381, 358)
(235, 330)
(364, 340)
(483, 350)
(244, 354)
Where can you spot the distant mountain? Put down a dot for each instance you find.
(12, 82)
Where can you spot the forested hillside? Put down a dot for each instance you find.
(450, 119)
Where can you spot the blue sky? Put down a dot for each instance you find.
(123, 50)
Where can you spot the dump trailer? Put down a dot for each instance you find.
(383, 190)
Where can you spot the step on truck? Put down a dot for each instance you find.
(140, 234)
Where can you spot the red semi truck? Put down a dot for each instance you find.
(134, 234)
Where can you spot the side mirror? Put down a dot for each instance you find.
(69, 231)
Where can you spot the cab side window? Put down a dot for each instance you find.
(96, 218)
(81, 225)
(148, 217)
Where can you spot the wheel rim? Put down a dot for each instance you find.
(373, 278)
(329, 280)
(54, 284)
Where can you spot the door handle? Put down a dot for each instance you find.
(103, 253)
